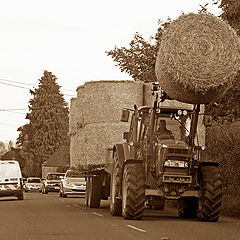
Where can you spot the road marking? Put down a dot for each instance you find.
(98, 214)
(135, 228)
(69, 206)
(62, 200)
(75, 205)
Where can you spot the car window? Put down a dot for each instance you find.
(9, 170)
(54, 176)
(34, 180)
(72, 174)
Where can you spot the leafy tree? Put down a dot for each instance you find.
(139, 59)
(231, 12)
(227, 108)
(48, 127)
(2, 149)
(14, 153)
(24, 143)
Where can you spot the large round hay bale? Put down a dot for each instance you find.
(103, 101)
(198, 58)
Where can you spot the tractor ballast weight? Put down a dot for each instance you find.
(149, 168)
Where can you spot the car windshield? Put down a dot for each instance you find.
(9, 170)
(54, 176)
(72, 174)
(34, 180)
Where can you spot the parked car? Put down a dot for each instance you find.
(73, 183)
(33, 184)
(52, 182)
(11, 183)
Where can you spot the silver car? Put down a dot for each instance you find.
(33, 184)
(73, 183)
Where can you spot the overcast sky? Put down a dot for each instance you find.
(69, 38)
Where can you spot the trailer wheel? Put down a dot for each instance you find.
(133, 191)
(209, 205)
(187, 207)
(116, 203)
(94, 192)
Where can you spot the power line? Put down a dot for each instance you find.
(13, 85)
(11, 111)
(28, 84)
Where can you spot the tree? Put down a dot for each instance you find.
(48, 127)
(10, 145)
(231, 12)
(2, 149)
(139, 59)
(227, 108)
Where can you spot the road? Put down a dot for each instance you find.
(49, 217)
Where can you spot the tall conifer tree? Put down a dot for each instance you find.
(48, 127)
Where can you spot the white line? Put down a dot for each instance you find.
(135, 228)
(62, 200)
(75, 205)
(100, 215)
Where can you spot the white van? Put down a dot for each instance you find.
(11, 179)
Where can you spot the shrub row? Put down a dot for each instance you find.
(223, 146)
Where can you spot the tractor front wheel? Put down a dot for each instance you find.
(209, 205)
(133, 191)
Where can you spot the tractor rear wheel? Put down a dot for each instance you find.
(94, 192)
(133, 191)
(116, 203)
(209, 205)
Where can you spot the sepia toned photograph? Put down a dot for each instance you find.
(120, 120)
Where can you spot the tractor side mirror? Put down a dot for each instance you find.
(125, 115)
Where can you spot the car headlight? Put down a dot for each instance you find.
(176, 163)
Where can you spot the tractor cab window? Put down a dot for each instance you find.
(162, 131)
(172, 125)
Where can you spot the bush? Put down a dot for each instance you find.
(223, 142)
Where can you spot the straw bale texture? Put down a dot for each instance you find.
(198, 58)
(77, 155)
(103, 101)
(75, 116)
(89, 145)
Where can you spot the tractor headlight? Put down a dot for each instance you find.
(176, 163)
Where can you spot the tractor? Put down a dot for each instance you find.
(151, 167)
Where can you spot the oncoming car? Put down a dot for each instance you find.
(52, 182)
(11, 183)
(33, 183)
(73, 183)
